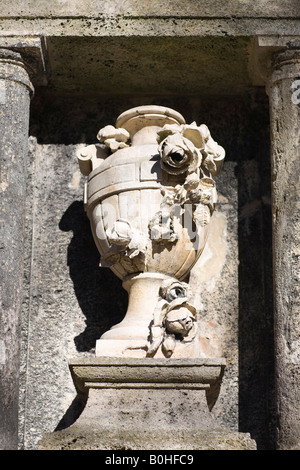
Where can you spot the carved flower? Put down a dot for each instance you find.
(178, 155)
(120, 234)
(180, 319)
(113, 138)
(174, 318)
(128, 247)
(172, 289)
(204, 192)
(190, 131)
(187, 147)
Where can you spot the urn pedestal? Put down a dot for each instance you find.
(147, 404)
(149, 197)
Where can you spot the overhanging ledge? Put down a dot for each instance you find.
(152, 373)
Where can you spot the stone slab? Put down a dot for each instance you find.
(94, 371)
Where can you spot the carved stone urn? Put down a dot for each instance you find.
(149, 196)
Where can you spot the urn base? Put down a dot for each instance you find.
(142, 404)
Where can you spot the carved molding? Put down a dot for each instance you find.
(32, 51)
(262, 54)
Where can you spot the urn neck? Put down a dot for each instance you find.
(143, 122)
(144, 136)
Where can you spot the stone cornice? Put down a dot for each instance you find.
(154, 8)
(104, 25)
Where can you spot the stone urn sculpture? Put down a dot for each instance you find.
(149, 196)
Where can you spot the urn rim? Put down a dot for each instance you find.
(141, 116)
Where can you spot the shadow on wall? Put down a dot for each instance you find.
(99, 292)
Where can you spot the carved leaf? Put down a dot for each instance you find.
(202, 215)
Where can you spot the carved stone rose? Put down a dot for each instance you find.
(179, 155)
(184, 148)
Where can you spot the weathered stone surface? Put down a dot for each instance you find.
(89, 44)
(203, 64)
(15, 90)
(92, 45)
(285, 153)
(33, 50)
(63, 291)
(82, 438)
(200, 373)
(214, 8)
(131, 17)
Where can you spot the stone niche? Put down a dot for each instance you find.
(150, 195)
(70, 302)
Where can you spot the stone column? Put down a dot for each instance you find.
(15, 91)
(284, 98)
